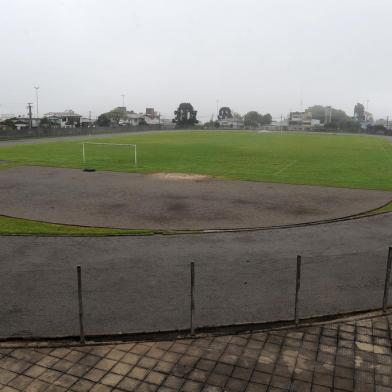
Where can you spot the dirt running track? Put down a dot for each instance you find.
(141, 201)
(134, 284)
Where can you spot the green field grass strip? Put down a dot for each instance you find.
(19, 226)
(345, 161)
(7, 165)
(382, 210)
(25, 227)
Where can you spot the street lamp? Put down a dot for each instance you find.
(36, 98)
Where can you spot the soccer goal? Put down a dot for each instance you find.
(110, 153)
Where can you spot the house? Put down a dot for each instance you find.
(281, 125)
(19, 122)
(150, 117)
(232, 123)
(300, 121)
(133, 119)
(385, 123)
(86, 122)
(227, 120)
(66, 119)
(167, 123)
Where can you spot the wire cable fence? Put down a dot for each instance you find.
(130, 297)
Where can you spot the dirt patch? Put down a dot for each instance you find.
(180, 176)
(171, 201)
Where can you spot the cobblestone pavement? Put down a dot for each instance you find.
(345, 356)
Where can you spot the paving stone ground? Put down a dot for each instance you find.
(345, 356)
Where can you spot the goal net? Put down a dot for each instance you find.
(109, 154)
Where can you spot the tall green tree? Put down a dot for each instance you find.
(267, 119)
(103, 120)
(333, 119)
(359, 112)
(253, 119)
(225, 113)
(185, 116)
(237, 116)
(321, 113)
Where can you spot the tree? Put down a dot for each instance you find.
(48, 123)
(103, 120)
(113, 117)
(224, 113)
(253, 119)
(327, 114)
(185, 116)
(333, 119)
(317, 112)
(267, 119)
(359, 112)
(117, 114)
(9, 122)
(237, 116)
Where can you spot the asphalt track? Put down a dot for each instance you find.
(139, 284)
(170, 202)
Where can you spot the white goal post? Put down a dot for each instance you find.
(131, 147)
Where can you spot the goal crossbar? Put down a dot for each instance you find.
(109, 144)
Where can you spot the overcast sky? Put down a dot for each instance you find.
(264, 55)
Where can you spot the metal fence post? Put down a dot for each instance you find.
(297, 287)
(387, 281)
(192, 297)
(80, 298)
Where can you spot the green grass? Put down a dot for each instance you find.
(16, 226)
(294, 158)
(387, 208)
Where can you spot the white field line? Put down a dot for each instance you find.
(285, 167)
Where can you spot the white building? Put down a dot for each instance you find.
(302, 121)
(150, 117)
(231, 123)
(66, 119)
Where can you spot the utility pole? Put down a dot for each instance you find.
(217, 108)
(328, 114)
(281, 124)
(29, 107)
(123, 100)
(36, 99)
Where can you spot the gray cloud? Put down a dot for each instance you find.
(265, 55)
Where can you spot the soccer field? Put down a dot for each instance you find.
(292, 158)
